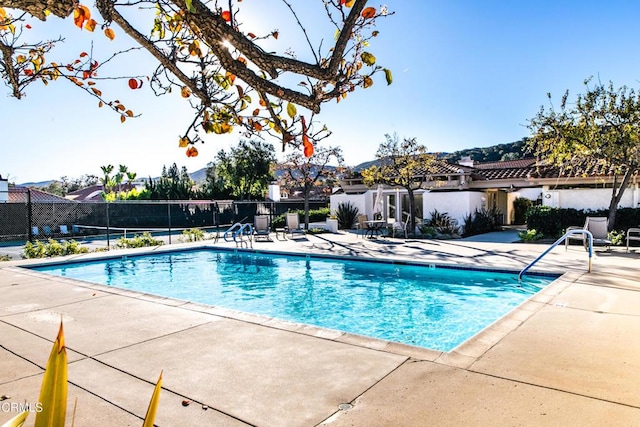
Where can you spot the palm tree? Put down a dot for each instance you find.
(106, 180)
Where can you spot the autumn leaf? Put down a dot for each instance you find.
(96, 91)
(257, 126)
(122, 118)
(275, 35)
(80, 15)
(367, 82)
(190, 7)
(83, 54)
(129, 113)
(192, 152)
(251, 35)
(388, 76)
(184, 141)
(307, 145)
(368, 58)
(226, 15)
(291, 110)
(90, 25)
(185, 92)
(256, 111)
(133, 83)
(369, 12)
(110, 34)
(349, 3)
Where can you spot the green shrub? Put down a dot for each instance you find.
(52, 248)
(481, 221)
(530, 236)
(618, 238)
(192, 235)
(315, 215)
(442, 223)
(346, 214)
(138, 241)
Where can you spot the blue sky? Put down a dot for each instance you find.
(466, 74)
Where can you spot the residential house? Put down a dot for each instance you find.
(460, 189)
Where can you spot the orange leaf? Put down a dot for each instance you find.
(275, 35)
(90, 25)
(96, 91)
(226, 15)
(110, 34)
(256, 111)
(257, 126)
(251, 35)
(129, 113)
(308, 146)
(133, 83)
(81, 14)
(192, 152)
(184, 142)
(28, 72)
(185, 92)
(83, 54)
(369, 12)
(122, 119)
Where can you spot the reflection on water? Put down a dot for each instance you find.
(430, 307)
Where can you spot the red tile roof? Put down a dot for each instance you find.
(19, 195)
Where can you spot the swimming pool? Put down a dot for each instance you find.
(420, 305)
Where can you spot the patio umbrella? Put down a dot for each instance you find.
(377, 205)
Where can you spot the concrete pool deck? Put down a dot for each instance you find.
(568, 356)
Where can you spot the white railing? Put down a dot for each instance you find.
(557, 242)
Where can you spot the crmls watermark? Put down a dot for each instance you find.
(20, 407)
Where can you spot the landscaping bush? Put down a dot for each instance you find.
(315, 215)
(138, 241)
(552, 222)
(441, 222)
(52, 248)
(530, 236)
(481, 221)
(192, 235)
(346, 214)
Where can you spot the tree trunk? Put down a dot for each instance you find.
(616, 195)
(412, 212)
(307, 191)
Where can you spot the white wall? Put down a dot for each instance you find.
(587, 198)
(457, 204)
(4, 190)
(361, 201)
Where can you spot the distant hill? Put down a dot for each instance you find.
(495, 153)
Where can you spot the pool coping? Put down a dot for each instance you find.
(462, 356)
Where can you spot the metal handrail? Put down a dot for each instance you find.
(557, 242)
(231, 230)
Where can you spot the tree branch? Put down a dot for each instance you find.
(7, 55)
(37, 8)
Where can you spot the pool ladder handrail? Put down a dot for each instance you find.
(557, 242)
(231, 232)
(238, 230)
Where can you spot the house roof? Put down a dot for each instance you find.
(20, 195)
(91, 193)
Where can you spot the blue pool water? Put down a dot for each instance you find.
(437, 308)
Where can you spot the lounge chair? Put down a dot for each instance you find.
(361, 224)
(632, 234)
(292, 227)
(598, 226)
(261, 227)
(46, 230)
(64, 230)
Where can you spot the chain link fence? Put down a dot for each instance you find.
(37, 220)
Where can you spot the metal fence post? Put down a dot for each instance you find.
(29, 217)
(108, 234)
(169, 218)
